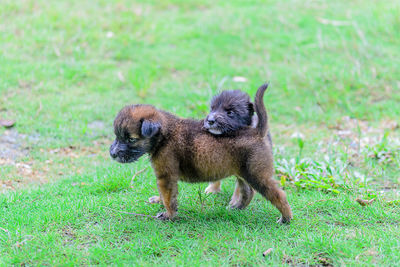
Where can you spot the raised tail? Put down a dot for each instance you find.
(262, 125)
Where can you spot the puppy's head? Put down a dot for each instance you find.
(230, 111)
(136, 129)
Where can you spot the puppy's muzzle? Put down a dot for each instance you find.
(123, 153)
(209, 121)
(116, 150)
(211, 124)
(113, 151)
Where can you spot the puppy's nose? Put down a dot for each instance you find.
(211, 122)
(113, 155)
(113, 151)
(210, 119)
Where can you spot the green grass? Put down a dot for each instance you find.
(333, 67)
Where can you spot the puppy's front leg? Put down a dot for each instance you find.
(168, 189)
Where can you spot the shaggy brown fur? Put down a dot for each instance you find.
(231, 111)
(180, 149)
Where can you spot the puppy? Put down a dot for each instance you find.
(231, 111)
(181, 150)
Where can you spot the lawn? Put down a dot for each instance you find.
(67, 68)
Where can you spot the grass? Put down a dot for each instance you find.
(67, 67)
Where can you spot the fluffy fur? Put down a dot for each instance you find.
(181, 150)
(231, 111)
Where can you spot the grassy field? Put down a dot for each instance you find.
(67, 67)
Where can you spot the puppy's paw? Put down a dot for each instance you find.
(213, 188)
(283, 220)
(163, 216)
(155, 199)
(234, 202)
(237, 205)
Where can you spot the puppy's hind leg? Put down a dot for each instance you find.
(242, 196)
(263, 182)
(213, 188)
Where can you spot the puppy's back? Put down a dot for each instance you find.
(204, 157)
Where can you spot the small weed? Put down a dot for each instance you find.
(385, 151)
(308, 174)
(328, 174)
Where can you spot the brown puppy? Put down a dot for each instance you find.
(180, 149)
(231, 111)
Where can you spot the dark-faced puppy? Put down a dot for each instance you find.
(230, 112)
(181, 150)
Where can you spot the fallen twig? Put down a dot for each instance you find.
(136, 174)
(130, 213)
(363, 202)
(268, 251)
(39, 109)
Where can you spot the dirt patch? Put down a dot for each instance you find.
(69, 234)
(7, 185)
(323, 260)
(12, 145)
(12, 149)
(355, 137)
(19, 169)
(360, 133)
(22, 174)
(82, 151)
(359, 139)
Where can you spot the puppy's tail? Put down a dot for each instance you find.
(262, 125)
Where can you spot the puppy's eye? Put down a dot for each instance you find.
(229, 112)
(132, 140)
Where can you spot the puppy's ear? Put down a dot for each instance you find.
(149, 128)
(250, 107)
